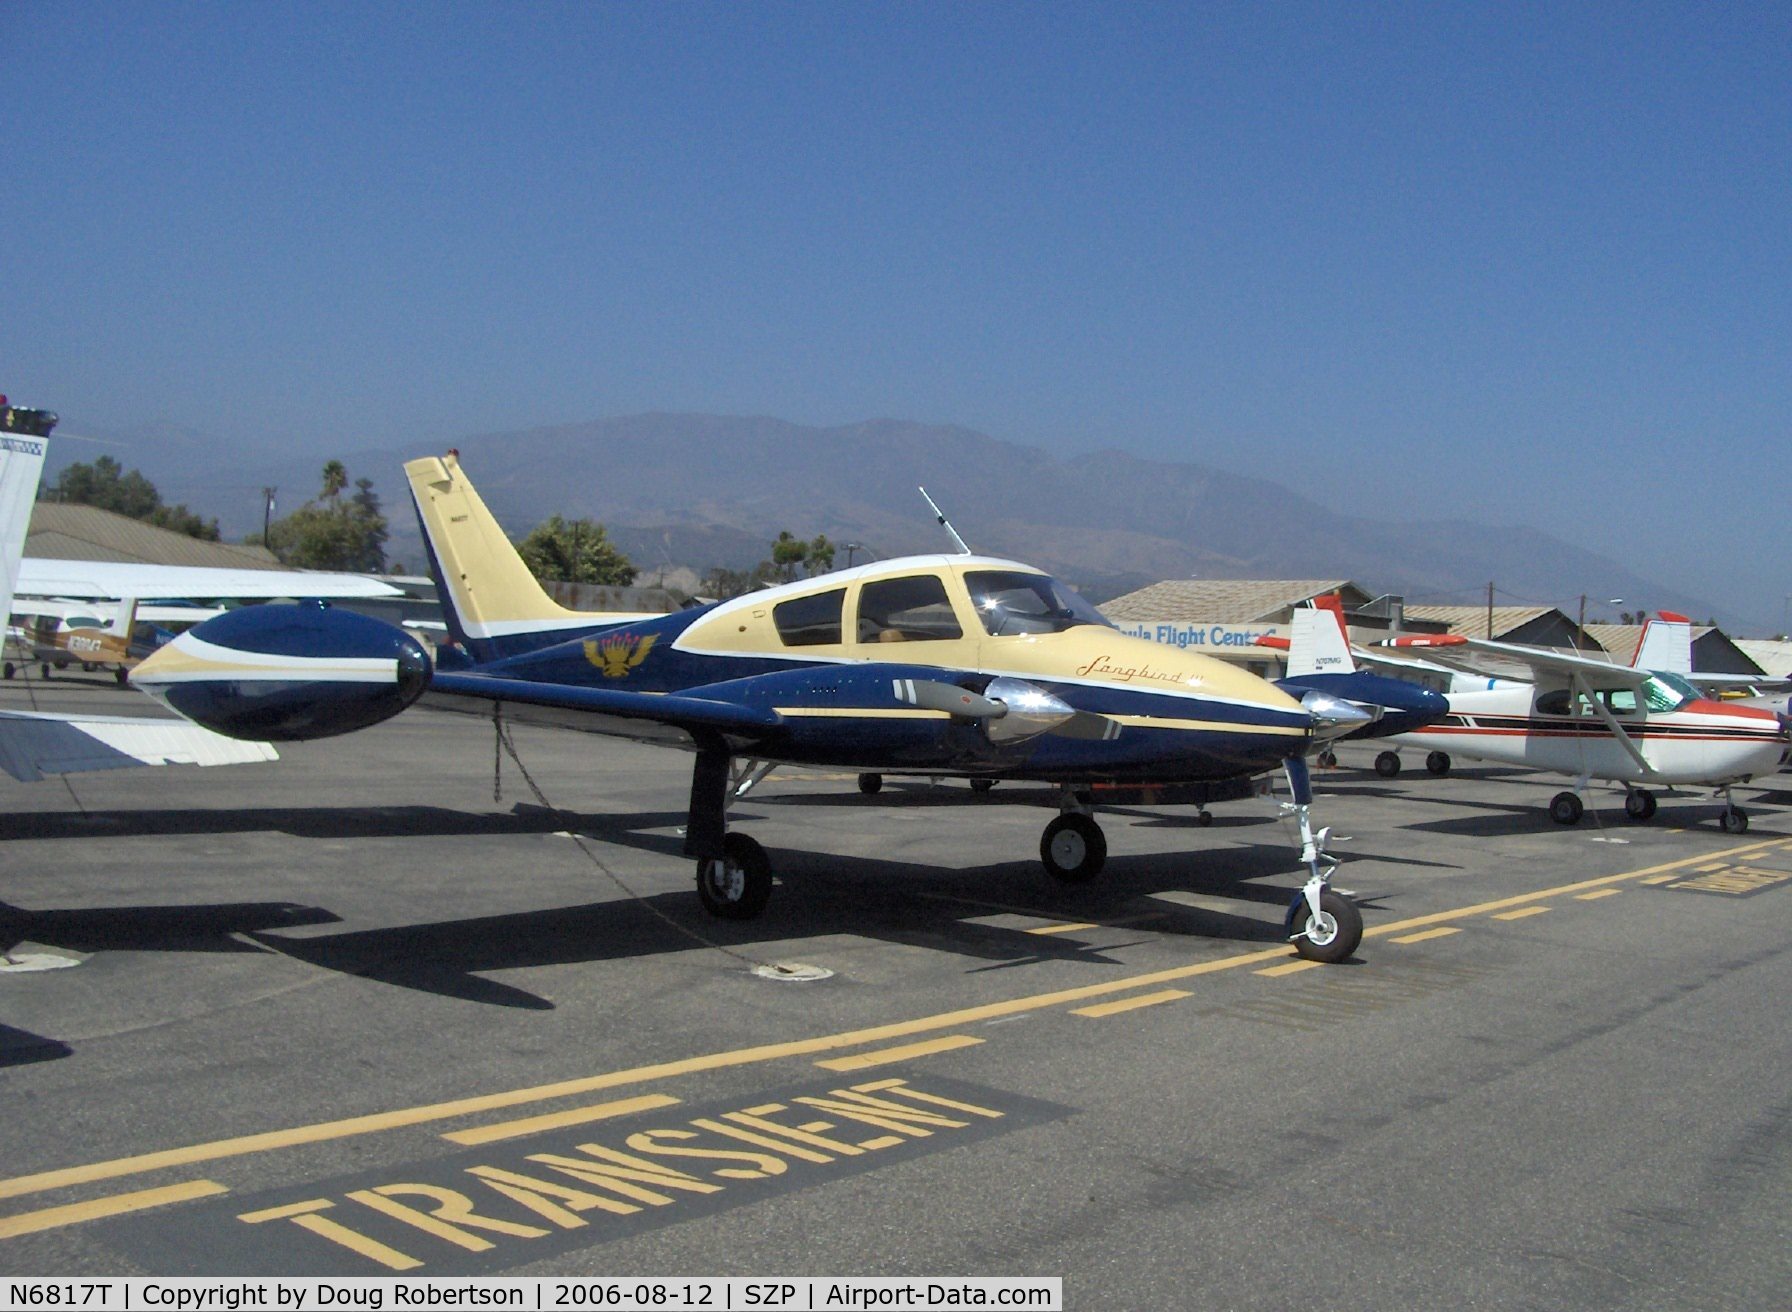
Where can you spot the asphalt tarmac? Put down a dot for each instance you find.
(347, 1014)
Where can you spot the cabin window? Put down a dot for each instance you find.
(1557, 702)
(810, 621)
(1009, 601)
(913, 609)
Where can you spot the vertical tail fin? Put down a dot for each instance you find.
(21, 466)
(1666, 645)
(124, 620)
(493, 605)
(1318, 641)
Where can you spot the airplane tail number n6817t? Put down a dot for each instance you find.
(948, 665)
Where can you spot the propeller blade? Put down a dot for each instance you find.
(932, 695)
(1089, 727)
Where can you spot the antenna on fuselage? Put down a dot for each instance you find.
(946, 524)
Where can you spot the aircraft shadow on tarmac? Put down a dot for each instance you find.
(300, 822)
(821, 895)
(1698, 814)
(176, 928)
(21, 1048)
(824, 894)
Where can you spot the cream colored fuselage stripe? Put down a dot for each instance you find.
(1137, 721)
(193, 660)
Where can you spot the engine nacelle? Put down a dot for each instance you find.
(287, 673)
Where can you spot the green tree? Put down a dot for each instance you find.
(331, 532)
(787, 553)
(105, 484)
(575, 551)
(820, 555)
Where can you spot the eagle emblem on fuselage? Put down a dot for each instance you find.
(618, 655)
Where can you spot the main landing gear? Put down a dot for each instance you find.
(734, 874)
(1566, 808)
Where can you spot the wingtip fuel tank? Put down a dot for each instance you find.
(287, 673)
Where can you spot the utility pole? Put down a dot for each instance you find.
(267, 511)
(1490, 612)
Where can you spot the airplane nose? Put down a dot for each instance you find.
(1334, 716)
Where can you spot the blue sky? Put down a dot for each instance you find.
(1525, 264)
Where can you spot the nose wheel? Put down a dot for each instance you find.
(1329, 934)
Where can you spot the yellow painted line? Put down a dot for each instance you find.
(1660, 879)
(1063, 929)
(1443, 931)
(1291, 968)
(1132, 1004)
(885, 1056)
(1596, 894)
(50, 1218)
(1544, 894)
(1720, 865)
(577, 1116)
(1523, 912)
(327, 1131)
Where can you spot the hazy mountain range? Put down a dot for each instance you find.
(705, 490)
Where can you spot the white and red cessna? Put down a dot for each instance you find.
(1589, 719)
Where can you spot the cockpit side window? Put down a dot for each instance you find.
(810, 621)
(912, 609)
(1558, 701)
(1010, 601)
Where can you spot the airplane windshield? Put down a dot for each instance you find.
(1667, 692)
(1009, 601)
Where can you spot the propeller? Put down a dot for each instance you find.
(1335, 716)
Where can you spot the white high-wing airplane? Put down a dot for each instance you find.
(34, 744)
(1590, 719)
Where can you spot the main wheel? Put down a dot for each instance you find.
(1387, 764)
(982, 785)
(1639, 804)
(1330, 936)
(122, 675)
(871, 783)
(1438, 763)
(1073, 849)
(1735, 821)
(1565, 809)
(1327, 759)
(736, 885)
(11, 669)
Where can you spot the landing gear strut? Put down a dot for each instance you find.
(1735, 819)
(734, 875)
(1323, 924)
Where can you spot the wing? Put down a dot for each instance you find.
(98, 578)
(643, 716)
(1481, 656)
(34, 745)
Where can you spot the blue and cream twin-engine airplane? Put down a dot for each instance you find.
(944, 665)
